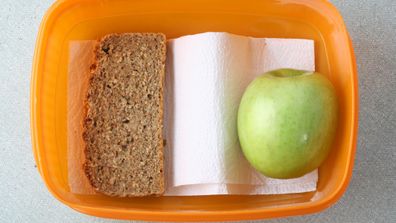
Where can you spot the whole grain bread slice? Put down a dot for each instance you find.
(123, 128)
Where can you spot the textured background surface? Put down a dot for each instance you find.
(370, 197)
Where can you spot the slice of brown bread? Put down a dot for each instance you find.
(123, 128)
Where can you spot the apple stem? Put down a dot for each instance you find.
(289, 72)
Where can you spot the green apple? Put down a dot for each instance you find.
(286, 122)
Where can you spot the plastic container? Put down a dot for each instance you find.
(81, 20)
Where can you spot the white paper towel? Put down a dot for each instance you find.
(206, 77)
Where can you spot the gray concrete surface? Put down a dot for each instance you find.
(371, 196)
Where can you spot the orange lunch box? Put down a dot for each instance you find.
(87, 20)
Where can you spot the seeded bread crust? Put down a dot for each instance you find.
(123, 128)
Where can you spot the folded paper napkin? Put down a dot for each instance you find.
(206, 75)
(205, 80)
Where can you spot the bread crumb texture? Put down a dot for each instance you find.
(123, 128)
